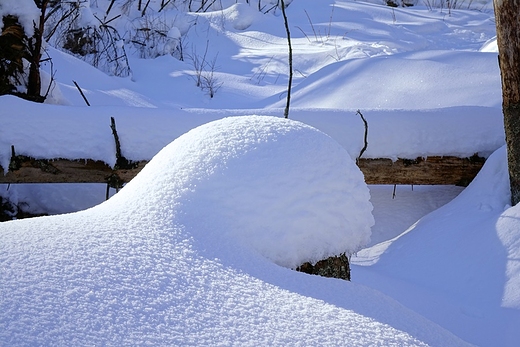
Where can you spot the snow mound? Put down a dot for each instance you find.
(241, 16)
(280, 187)
(154, 265)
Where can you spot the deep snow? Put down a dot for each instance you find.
(428, 83)
(178, 258)
(468, 281)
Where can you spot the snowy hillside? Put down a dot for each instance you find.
(196, 249)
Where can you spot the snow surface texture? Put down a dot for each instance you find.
(463, 261)
(428, 60)
(161, 263)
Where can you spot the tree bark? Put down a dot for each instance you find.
(507, 15)
(443, 170)
(34, 80)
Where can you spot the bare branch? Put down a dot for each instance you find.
(365, 139)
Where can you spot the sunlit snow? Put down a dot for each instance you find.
(189, 253)
(183, 254)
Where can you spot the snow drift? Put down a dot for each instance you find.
(288, 191)
(462, 260)
(165, 262)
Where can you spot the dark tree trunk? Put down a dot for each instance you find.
(508, 38)
(34, 79)
(35, 55)
(12, 52)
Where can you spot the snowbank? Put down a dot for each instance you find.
(84, 132)
(458, 79)
(462, 260)
(508, 231)
(283, 188)
(159, 264)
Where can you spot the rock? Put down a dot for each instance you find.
(336, 267)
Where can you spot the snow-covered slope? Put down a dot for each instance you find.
(460, 262)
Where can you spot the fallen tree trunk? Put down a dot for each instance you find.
(29, 170)
(429, 171)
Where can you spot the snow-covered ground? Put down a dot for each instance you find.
(166, 260)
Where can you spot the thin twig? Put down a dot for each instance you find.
(116, 138)
(365, 137)
(81, 92)
(303, 32)
(271, 8)
(109, 7)
(121, 161)
(286, 111)
(144, 9)
(330, 20)
(52, 74)
(312, 25)
(110, 20)
(163, 5)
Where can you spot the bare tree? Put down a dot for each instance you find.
(508, 38)
(35, 54)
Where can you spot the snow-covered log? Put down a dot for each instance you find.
(435, 170)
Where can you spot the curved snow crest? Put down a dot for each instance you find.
(140, 269)
(280, 187)
(241, 16)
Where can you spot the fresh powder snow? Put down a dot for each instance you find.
(137, 270)
(162, 263)
(462, 260)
